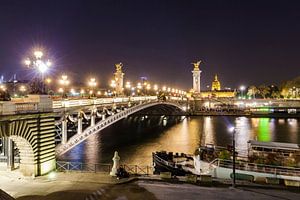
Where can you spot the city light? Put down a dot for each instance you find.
(64, 80)
(38, 54)
(72, 91)
(60, 90)
(22, 88)
(139, 85)
(42, 66)
(27, 62)
(48, 80)
(92, 82)
(128, 85)
(2, 87)
(148, 87)
(113, 84)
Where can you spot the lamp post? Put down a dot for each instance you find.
(128, 88)
(22, 90)
(113, 85)
(42, 66)
(233, 130)
(92, 84)
(64, 81)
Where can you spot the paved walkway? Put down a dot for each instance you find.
(93, 186)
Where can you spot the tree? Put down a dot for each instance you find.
(252, 91)
(4, 95)
(290, 88)
(264, 91)
(274, 92)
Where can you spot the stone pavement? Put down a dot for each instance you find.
(93, 186)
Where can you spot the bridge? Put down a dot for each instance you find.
(38, 126)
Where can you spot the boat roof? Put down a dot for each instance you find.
(274, 145)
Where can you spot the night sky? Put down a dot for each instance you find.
(245, 42)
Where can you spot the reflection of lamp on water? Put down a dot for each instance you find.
(232, 130)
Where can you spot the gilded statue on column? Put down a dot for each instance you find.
(119, 67)
(196, 64)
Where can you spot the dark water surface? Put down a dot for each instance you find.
(136, 138)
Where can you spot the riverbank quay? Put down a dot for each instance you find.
(92, 186)
(243, 114)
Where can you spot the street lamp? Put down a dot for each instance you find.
(42, 66)
(128, 88)
(22, 89)
(233, 130)
(64, 81)
(92, 84)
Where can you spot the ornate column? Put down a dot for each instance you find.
(79, 122)
(119, 75)
(93, 116)
(196, 77)
(64, 130)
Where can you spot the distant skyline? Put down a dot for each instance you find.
(244, 42)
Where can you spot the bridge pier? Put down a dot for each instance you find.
(33, 135)
(64, 130)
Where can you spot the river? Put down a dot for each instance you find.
(135, 138)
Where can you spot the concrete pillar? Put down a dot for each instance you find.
(79, 127)
(10, 154)
(64, 130)
(116, 164)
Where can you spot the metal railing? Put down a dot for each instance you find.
(138, 169)
(82, 167)
(101, 167)
(261, 168)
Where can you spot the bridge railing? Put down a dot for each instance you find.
(66, 103)
(102, 167)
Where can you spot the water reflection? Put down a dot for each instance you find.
(242, 133)
(136, 139)
(208, 131)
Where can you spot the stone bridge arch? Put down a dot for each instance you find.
(33, 135)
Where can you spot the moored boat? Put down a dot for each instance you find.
(176, 163)
(264, 160)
